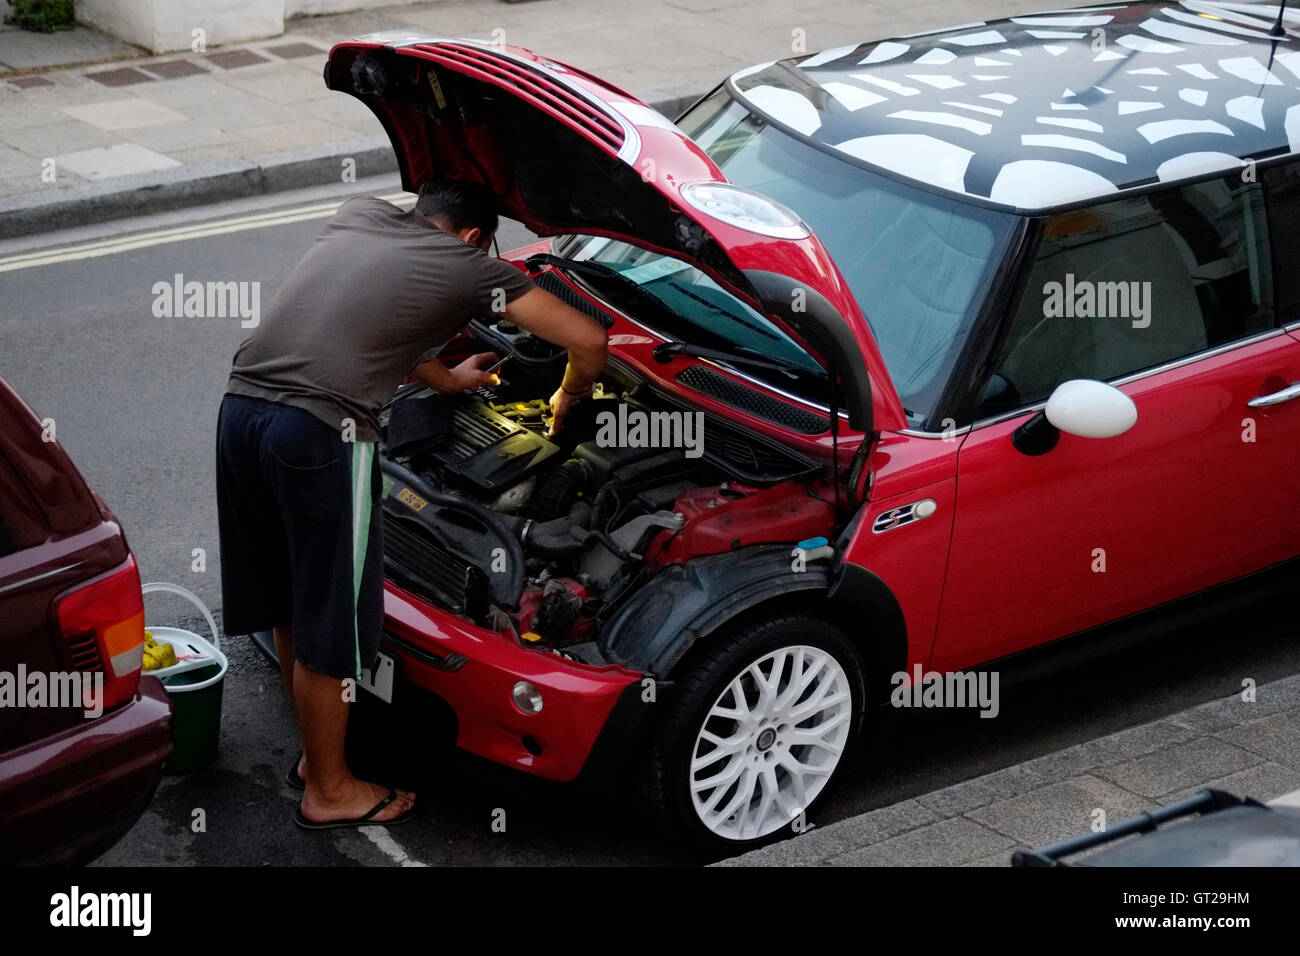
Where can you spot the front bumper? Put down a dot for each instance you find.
(475, 670)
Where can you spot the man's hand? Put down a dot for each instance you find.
(561, 402)
(548, 318)
(468, 374)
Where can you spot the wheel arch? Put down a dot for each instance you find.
(686, 604)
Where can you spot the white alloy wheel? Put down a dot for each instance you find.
(770, 742)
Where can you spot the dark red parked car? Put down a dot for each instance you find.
(71, 614)
(1033, 373)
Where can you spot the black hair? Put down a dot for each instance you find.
(459, 205)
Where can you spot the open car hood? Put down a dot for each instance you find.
(568, 153)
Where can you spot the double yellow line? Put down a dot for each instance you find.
(156, 237)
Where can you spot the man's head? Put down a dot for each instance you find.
(467, 210)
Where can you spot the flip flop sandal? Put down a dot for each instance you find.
(365, 821)
(292, 779)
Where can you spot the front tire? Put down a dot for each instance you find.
(758, 731)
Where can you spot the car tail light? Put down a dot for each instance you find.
(102, 624)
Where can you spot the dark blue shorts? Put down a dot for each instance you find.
(299, 518)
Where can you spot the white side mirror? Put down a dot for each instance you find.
(1090, 409)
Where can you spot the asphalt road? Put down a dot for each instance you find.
(135, 398)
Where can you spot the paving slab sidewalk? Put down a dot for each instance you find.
(148, 133)
(1250, 749)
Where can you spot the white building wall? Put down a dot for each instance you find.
(166, 26)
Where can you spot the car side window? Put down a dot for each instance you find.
(1282, 184)
(1134, 283)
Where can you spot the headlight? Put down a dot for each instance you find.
(746, 210)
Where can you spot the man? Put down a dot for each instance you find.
(297, 479)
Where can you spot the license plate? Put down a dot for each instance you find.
(379, 681)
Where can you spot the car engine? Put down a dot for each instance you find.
(489, 517)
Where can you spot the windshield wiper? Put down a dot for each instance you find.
(598, 270)
(665, 351)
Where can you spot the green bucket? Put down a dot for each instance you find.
(194, 684)
(196, 718)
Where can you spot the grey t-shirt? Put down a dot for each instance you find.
(377, 290)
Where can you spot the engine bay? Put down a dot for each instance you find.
(488, 516)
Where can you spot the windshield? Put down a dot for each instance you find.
(919, 264)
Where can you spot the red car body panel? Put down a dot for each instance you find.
(910, 564)
(577, 698)
(1181, 482)
(717, 523)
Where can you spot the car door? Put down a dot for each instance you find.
(1168, 296)
(1282, 188)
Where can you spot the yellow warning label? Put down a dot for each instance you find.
(439, 97)
(413, 501)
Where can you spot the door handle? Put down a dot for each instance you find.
(1277, 398)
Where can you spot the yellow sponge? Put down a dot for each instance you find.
(157, 655)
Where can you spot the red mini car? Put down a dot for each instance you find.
(83, 736)
(923, 353)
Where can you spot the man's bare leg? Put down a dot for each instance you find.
(284, 654)
(333, 793)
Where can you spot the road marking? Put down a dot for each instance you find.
(378, 835)
(218, 227)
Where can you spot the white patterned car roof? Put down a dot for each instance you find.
(1041, 111)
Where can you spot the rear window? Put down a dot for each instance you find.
(21, 524)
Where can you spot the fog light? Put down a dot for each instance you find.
(527, 697)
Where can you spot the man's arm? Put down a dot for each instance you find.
(548, 318)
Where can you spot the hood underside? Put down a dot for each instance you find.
(566, 153)
(452, 124)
